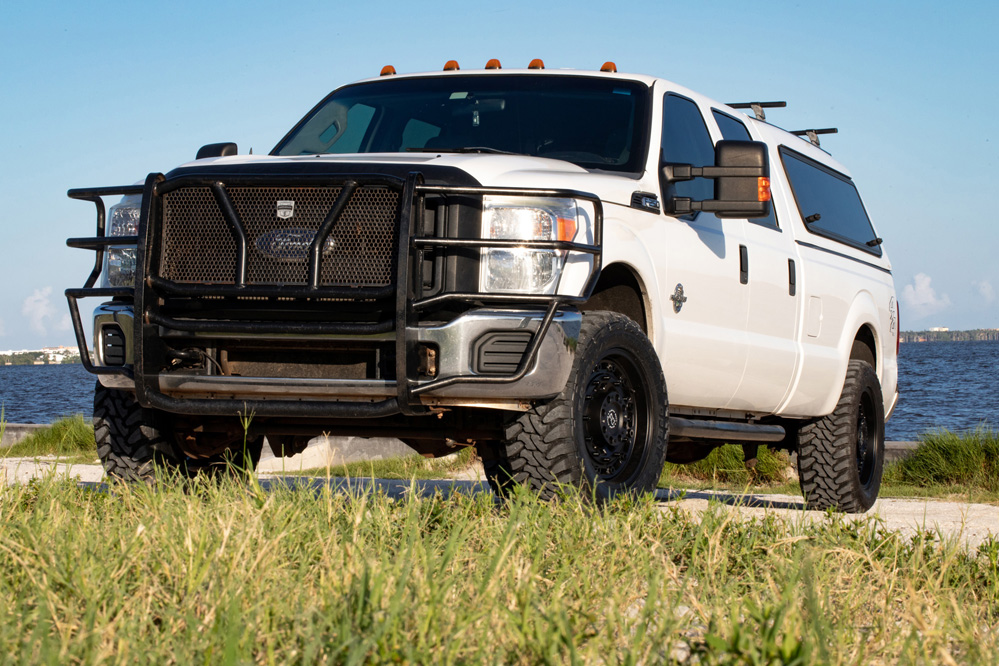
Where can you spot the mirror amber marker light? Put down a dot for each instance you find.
(763, 189)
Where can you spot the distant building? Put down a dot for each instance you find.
(939, 329)
(58, 354)
(44, 356)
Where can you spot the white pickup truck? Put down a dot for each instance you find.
(582, 274)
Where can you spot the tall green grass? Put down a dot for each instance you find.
(726, 465)
(967, 459)
(72, 437)
(223, 574)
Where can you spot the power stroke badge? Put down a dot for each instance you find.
(285, 210)
(678, 298)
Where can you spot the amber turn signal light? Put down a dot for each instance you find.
(763, 188)
(566, 229)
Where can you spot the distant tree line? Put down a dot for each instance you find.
(31, 358)
(951, 336)
(27, 358)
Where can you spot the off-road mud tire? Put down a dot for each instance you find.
(606, 431)
(841, 456)
(130, 442)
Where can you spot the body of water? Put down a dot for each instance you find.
(44, 393)
(945, 385)
(950, 385)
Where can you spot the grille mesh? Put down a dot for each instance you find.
(197, 243)
(199, 247)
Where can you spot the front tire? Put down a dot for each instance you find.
(130, 440)
(133, 441)
(605, 432)
(841, 456)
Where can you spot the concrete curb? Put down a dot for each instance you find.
(15, 432)
(895, 451)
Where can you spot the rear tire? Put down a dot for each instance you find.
(605, 432)
(841, 456)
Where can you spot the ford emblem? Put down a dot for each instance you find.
(290, 244)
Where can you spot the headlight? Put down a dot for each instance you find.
(523, 270)
(119, 262)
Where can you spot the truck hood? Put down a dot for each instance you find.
(518, 171)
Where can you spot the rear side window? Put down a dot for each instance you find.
(828, 202)
(734, 130)
(686, 141)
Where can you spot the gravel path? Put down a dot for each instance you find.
(970, 523)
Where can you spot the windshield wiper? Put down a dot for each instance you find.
(463, 149)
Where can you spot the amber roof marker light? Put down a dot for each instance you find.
(451, 66)
(608, 67)
(387, 70)
(537, 63)
(493, 64)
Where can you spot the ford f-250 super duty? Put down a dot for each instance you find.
(582, 274)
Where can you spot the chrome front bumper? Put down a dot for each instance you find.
(454, 340)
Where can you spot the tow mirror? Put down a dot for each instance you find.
(742, 182)
(226, 149)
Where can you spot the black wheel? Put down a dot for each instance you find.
(130, 442)
(841, 456)
(606, 431)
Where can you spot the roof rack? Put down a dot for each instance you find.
(813, 134)
(758, 107)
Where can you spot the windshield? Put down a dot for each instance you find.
(597, 123)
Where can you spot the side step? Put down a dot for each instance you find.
(736, 432)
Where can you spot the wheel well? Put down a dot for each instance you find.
(618, 291)
(865, 348)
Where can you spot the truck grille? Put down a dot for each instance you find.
(199, 246)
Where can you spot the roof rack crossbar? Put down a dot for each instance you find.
(758, 107)
(813, 134)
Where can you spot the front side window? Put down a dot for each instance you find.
(829, 202)
(734, 130)
(686, 140)
(596, 123)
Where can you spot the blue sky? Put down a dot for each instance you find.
(103, 93)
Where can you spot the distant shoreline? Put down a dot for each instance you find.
(975, 335)
(4, 364)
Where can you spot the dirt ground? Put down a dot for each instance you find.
(968, 522)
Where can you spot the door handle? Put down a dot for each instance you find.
(743, 264)
(792, 278)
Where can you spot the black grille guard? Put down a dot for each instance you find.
(410, 249)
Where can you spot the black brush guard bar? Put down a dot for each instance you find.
(410, 250)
